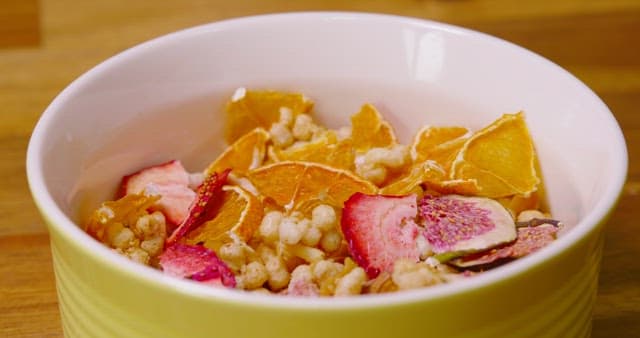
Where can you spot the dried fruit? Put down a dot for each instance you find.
(453, 187)
(248, 110)
(195, 262)
(370, 130)
(427, 171)
(429, 141)
(518, 203)
(126, 211)
(169, 180)
(433, 177)
(455, 225)
(246, 153)
(500, 157)
(237, 215)
(326, 149)
(295, 185)
(444, 154)
(529, 240)
(380, 230)
(207, 194)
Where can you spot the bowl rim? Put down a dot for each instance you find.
(73, 234)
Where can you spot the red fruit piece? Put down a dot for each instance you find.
(380, 229)
(201, 209)
(169, 180)
(456, 225)
(529, 240)
(196, 262)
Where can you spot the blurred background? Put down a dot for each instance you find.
(46, 44)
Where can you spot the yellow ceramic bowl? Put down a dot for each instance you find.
(163, 100)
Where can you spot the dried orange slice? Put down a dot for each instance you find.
(326, 149)
(519, 203)
(410, 181)
(444, 154)
(251, 109)
(293, 185)
(237, 215)
(430, 175)
(370, 130)
(439, 144)
(246, 153)
(534, 201)
(428, 139)
(458, 187)
(500, 157)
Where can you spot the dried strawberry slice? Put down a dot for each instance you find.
(200, 210)
(196, 262)
(169, 180)
(380, 229)
(456, 225)
(529, 240)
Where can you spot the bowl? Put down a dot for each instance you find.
(163, 100)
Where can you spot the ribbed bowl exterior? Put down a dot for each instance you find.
(552, 300)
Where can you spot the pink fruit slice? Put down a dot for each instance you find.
(196, 262)
(169, 180)
(456, 225)
(529, 240)
(380, 230)
(201, 209)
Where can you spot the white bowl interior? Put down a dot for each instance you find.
(163, 100)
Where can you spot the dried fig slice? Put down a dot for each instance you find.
(529, 240)
(456, 225)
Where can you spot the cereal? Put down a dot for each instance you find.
(293, 207)
(270, 226)
(410, 275)
(331, 241)
(351, 283)
(323, 217)
(253, 276)
(303, 127)
(292, 229)
(281, 135)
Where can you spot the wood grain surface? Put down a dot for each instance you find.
(45, 44)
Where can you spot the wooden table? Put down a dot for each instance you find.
(45, 44)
